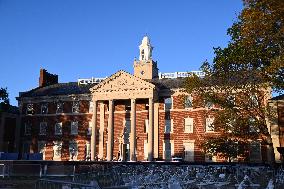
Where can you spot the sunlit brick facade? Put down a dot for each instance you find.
(95, 119)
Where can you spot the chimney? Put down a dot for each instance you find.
(46, 79)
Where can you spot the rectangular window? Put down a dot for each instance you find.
(74, 127)
(188, 125)
(91, 107)
(188, 151)
(28, 128)
(42, 128)
(59, 107)
(57, 150)
(44, 108)
(58, 128)
(168, 103)
(145, 149)
(89, 131)
(188, 102)
(255, 151)
(168, 125)
(208, 104)
(209, 124)
(30, 109)
(73, 150)
(75, 107)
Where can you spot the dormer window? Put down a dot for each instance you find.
(188, 102)
(75, 107)
(44, 108)
(209, 104)
(59, 107)
(30, 109)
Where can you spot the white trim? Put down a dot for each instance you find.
(211, 120)
(190, 125)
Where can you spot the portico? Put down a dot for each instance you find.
(122, 86)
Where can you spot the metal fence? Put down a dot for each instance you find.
(57, 184)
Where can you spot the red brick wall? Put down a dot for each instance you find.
(177, 114)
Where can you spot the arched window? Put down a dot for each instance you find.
(142, 54)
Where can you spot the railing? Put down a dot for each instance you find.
(90, 81)
(173, 75)
(170, 75)
(50, 184)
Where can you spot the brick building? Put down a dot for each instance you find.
(94, 118)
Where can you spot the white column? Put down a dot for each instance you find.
(102, 128)
(110, 131)
(94, 132)
(133, 131)
(151, 131)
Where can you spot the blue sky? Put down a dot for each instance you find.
(85, 38)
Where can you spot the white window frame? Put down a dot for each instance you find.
(171, 126)
(41, 129)
(73, 144)
(188, 98)
(45, 105)
(59, 107)
(30, 107)
(172, 104)
(189, 125)
(191, 158)
(76, 109)
(208, 122)
(58, 124)
(28, 129)
(57, 150)
(74, 126)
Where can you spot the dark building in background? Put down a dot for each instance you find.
(9, 129)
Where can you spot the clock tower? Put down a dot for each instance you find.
(145, 67)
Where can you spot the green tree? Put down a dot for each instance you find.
(4, 99)
(239, 80)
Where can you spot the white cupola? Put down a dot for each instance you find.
(145, 49)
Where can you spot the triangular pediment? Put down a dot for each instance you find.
(122, 81)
